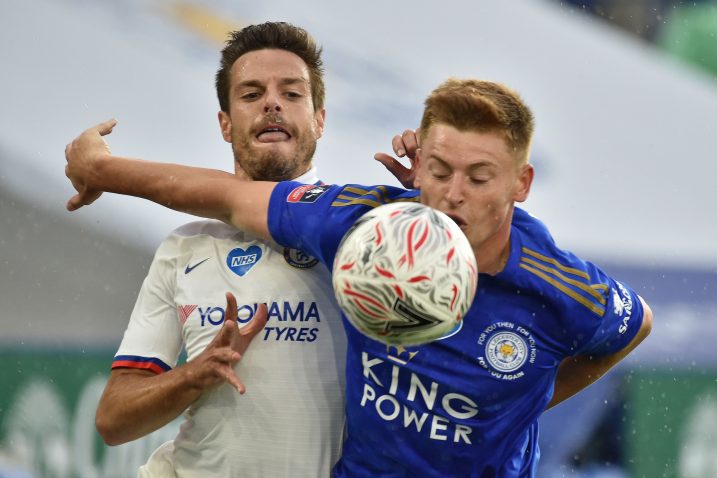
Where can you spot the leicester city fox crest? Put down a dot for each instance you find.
(505, 348)
(506, 351)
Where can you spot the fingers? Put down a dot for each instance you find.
(230, 327)
(257, 323)
(408, 143)
(230, 376)
(231, 358)
(236, 382)
(398, 145)
(74, 203)
(230, 334)
(214, 367)
(404, 175)
(392, 164)
(222, 362)
(231, 342)
(245, 335)
(106, 127)
(80, 154)
(80, 199)
(231, 314)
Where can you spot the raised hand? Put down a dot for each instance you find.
(215, 365)
(81, 154)
(407, 145)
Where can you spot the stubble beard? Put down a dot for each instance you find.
(273, 165)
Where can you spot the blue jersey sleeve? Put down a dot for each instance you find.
(314, 218)
(599, 315)
(620, 323)
(300, 218)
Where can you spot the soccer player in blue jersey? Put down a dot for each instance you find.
(544, 324)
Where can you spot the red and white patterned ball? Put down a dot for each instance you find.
(405, 274)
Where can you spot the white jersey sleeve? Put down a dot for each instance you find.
(153, 339)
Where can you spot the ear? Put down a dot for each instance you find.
(523, 182)
(320, 117)
(225, 124)
(416, 166)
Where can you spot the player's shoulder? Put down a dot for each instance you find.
(574, 284)
(536, 240)
(199, 234)
(531, 226)
(208, 227)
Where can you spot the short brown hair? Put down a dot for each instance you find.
(477, 105)
(272, 35)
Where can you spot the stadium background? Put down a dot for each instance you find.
(625, 95)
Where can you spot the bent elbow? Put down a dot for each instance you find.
(646, 327)
(108, 430)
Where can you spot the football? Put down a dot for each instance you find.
(405, 274)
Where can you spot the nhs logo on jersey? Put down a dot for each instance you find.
(240, 261)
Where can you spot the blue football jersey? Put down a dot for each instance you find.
(466, 405)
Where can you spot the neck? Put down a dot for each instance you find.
(493, 254)
(242, 174)
(297, 174)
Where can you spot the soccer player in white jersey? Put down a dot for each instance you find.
(289, 423)
(544, 323)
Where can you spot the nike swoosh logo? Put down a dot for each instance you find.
(189, 268)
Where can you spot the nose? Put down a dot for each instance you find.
(272, 103)
(455, 193)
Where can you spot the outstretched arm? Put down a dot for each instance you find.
(137, 402)
(576, 373)
(93, 169)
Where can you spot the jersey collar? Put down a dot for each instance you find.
(309, 177)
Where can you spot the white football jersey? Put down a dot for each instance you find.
(289, 423)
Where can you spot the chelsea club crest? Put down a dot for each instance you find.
(298, 259)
